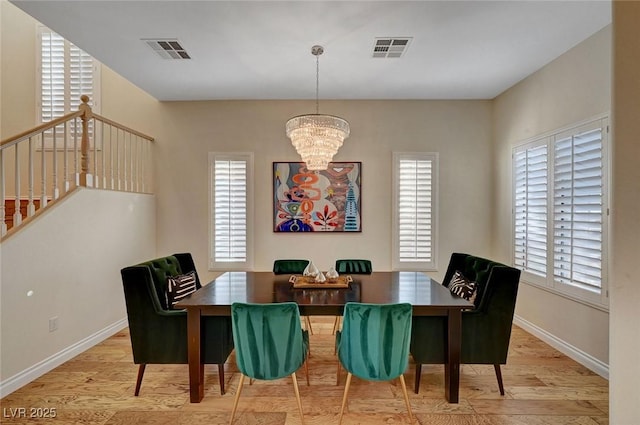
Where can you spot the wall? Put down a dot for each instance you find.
(70, 258)
(625, 288)
(458, 130)
(572, 88)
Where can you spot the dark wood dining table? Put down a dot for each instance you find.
(428, 298)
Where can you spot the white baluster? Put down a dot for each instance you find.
(43, 175)
(104, 170)
(17, 214)
(31, 207)
(54, 154)
(118, 159)
(95, 153)
(65, 160)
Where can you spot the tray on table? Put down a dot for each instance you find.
(307, 282)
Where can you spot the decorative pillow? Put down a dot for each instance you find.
(179, 287)
(463, 287)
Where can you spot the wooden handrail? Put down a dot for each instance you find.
(39, 129)
(122, 127)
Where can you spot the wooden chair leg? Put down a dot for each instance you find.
(308, 322)
(236, 398)
(499, 376)
(306, 370)
(344, 397)
(338, 374)
(417, 379)
(139, 380)
(295, 388)
(221, 377)
(406, 398)
(336, 325)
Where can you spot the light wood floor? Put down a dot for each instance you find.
(96, 388)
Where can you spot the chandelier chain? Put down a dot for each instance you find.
(317, 84)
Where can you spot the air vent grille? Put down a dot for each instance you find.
(167, 48)
(390, 47)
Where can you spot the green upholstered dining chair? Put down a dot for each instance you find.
(350, 266)
(289, 266)
(374, 344)
(293, 267)
(486, 329)
(158, 333)
(269, 343)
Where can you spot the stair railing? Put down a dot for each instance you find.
(78, 149)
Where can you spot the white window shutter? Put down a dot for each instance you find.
(231, 208)
(578, 209)
(530, 209)
(415, 210)
(66, 73)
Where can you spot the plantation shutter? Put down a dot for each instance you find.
(53, 93)
(578, 209)
(415, 210)
(230, 210)
(67, 73)
(530, 209)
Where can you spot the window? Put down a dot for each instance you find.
(231, 218)
(414, 210)
(66, 73)
(560, 211)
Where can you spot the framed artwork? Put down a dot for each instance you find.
(317, 201)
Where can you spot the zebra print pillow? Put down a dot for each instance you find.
(463, 287)
(179, 287)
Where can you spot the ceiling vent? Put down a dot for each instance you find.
(167, 48)
(390, 47)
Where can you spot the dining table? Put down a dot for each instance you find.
(427, 297)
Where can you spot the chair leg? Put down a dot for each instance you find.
(237, 397)
(306, 370)
(295, 388)
(417, 379)
(221, 377)
(338, 374)
(139, 380)
(406, 398)
(336, 325)
(308, 322)
(344, 397)
(499, 376)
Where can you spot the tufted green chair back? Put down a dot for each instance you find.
(289, 266)
(348, 266)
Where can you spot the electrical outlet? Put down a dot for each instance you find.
(53, 324)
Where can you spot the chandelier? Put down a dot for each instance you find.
(317, 137)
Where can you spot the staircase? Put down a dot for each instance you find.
(41, 165)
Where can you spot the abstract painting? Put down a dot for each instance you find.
(317, 201)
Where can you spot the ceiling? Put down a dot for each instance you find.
(262, 49)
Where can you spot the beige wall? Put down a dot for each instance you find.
(572, 88)
(71, 259)
(625, 285)
(458, 130)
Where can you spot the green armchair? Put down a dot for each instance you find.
(159, 334)
(486, 330)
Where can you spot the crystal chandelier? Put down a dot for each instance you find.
(316, 137)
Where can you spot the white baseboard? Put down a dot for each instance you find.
(564, 347)
(21, 379)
